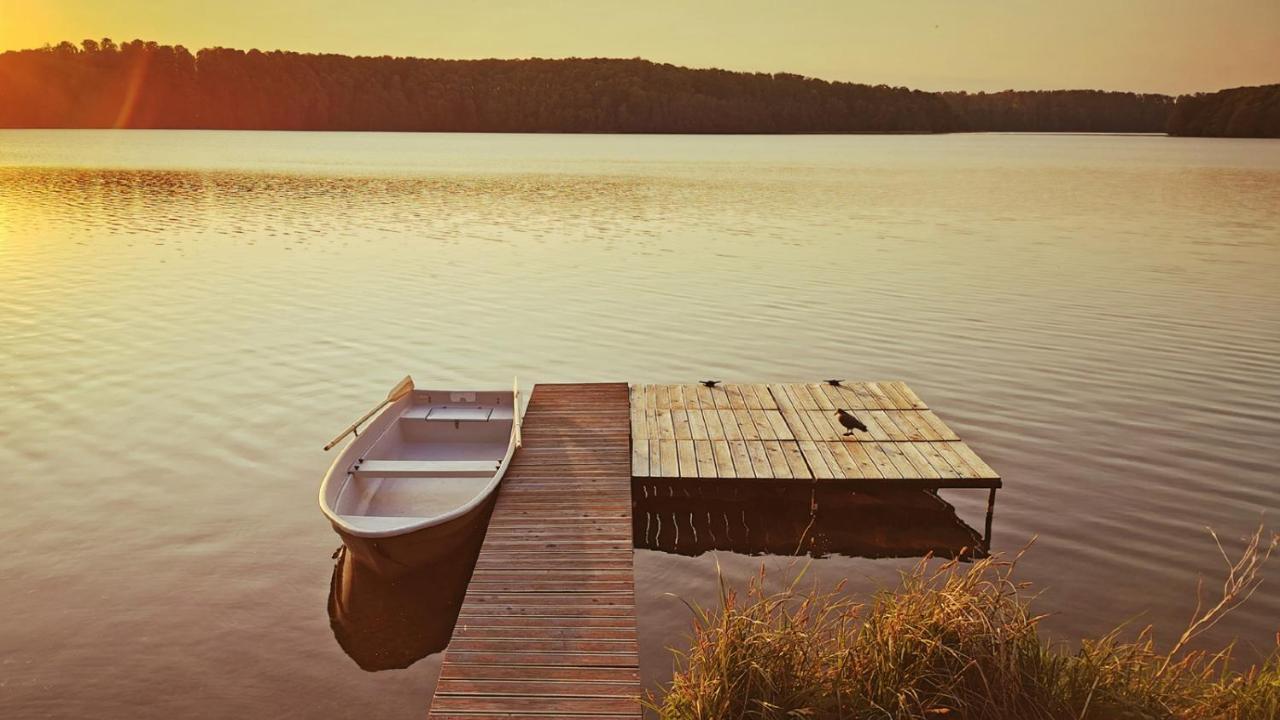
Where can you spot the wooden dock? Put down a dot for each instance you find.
(548, 627)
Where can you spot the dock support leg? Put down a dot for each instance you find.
(991, 508)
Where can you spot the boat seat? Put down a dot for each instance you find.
(379, 523)
(425, 468)
(449, 414)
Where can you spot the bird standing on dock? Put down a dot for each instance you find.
(834, 383)
(710, 383)
(850, 422)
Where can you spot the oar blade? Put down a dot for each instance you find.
(402, 388)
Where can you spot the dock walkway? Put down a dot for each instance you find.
(548, 627)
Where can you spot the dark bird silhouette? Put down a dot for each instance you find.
(710, 383)
(835, 383)
(850, 422)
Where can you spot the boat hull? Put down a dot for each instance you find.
(386, 623)
(396, 555)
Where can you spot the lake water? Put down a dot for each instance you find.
(187, 317)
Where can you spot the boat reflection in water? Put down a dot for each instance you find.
(390, 623)
(691, 518)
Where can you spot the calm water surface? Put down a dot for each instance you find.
(186, 317)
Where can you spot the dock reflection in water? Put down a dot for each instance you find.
(389, 624)
(691, 518)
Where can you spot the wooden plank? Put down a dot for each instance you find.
(449, 671)
(848, 466)
(690, 393)
(705, 458)
(729, 422)
(759, 460)
(635, 401)
(529, 706)
(884, 463)
(543, 631)
(886, 403)
(664, 397)
(936, 461)
(677, 396)
(850, 399)
(926, 430)
(680, 424)
(935, 422)
(819, 425)
(640, 458)
(795, 423)
(666, 426)
(948, 453)
(746, 425)
(704, 398)
(715, 429)
(900, 402)
(742, 465)
(982, 469)
(833, 395)
(883, 428)
(764, 428)
(687, 460)
(865, 464)
(795, 459)
(816, 460)
(531, 688)
(820, 398)
(907, 430)
(825, 426)
(669, 465)
(650, 410)
(734, 394)
(799, 397)
(719, 398)
(781, 430)
(697, 425)
(765, 397)
(777, 460)
(905, 469)
(865, 396)
(913, 400)
(725, 467)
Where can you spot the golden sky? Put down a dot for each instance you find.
(1143, 45)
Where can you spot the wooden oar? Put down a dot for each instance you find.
(402, 388)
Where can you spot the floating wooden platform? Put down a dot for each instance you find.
(548, 626)
(790, 432)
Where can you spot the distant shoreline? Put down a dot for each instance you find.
(145, 85)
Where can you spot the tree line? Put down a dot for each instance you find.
(139, 84)
(1238, 112)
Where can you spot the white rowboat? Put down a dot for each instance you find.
(410, 487)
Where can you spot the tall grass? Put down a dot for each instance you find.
(958, 641)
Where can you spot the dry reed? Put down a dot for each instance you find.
(955, 641)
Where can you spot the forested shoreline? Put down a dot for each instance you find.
(101, 84)
(1237, 112)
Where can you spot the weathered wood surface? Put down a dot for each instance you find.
(548, 627)
(790, 432)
